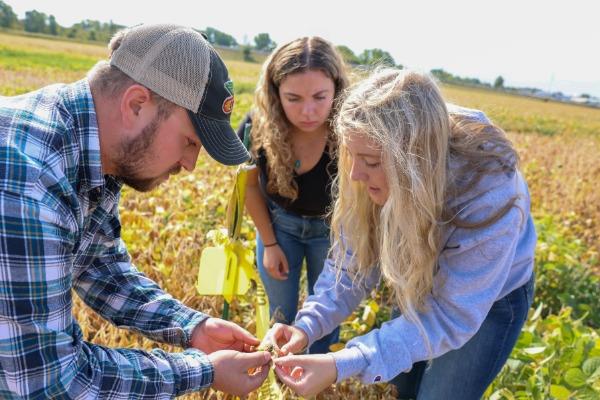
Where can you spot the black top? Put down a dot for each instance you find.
(314, 186)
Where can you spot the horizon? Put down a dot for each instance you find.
(542, 46)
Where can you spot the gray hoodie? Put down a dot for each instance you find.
(476, 268)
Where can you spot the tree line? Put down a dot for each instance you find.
(39, 22)
(447, 77)
(91, 30)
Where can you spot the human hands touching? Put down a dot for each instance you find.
(231, 371)
(308, 374)
(288, 339)
(215, 334)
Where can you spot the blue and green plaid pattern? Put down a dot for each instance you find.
(60, 229)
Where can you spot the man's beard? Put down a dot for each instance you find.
(132, 158)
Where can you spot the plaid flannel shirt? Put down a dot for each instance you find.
(60, 229)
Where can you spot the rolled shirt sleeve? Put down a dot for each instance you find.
(42, 351)
(59, 230)
(107, 282)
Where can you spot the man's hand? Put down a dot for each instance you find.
(231, 371)
(306, 375)
(216, 334)
(288, 339)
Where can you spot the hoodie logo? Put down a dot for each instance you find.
(228, 102)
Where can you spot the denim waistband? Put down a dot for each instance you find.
(276, 208)
(303, 227)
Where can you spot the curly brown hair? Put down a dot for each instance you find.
(271, 127)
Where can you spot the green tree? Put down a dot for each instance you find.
(8, 18)
(113, 28)
(248, 54)
(35, 21)
(52, 25)
(73, 32)
(348, 55)
(215, 36)
(376, 57)
(499, 82)
(93, 30)
(264, 42)
(442, 75)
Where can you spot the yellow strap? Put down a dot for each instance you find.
(236, 263)
(270, 389)
(235, 205)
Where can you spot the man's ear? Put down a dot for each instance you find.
(136, 107)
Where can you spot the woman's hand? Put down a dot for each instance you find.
(275, 262)
(288, 339)
(306, 375)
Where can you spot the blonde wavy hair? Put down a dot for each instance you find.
(404, 114)
(271, 127)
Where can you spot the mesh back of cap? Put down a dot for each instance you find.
(170, 60)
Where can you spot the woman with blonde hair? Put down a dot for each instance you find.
(429, 200)
(289, 193)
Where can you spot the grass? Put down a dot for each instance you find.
(528, 115)
(558, 144)
(27, 63)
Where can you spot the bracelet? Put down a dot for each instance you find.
(271, 245)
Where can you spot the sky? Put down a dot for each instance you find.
(551, 45)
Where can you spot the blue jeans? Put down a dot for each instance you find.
(466, 373)
(299, 238)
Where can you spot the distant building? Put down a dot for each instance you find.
(585, 100)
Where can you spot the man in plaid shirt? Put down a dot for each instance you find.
(65, 151)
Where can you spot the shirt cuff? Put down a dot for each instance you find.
(349, 362)
(193, 371)
(194, 318)
(306, 325)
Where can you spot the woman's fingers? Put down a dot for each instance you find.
(274, 271)
(307, 375)
(291, 376)
(284, 268)
(297, 372)
(294, 344)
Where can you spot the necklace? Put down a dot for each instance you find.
(310, 143)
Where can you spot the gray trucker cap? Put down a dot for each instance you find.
(179, 64)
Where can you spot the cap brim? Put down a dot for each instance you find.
(220, 140)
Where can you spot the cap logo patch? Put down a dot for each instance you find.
(228, 102)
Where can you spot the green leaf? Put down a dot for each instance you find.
(592, 366)
(535, 350)
(513, 364)
(575, 378)
(525, 339)
(538, 312)
(502, 394)
(567, 332)
(559, 392)
(587, 394)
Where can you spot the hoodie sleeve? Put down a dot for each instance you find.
(473, 269)
(333, 301)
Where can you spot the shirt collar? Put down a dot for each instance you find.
(79, 102)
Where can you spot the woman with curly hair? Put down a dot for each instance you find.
(429, 200)
(289, 193)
